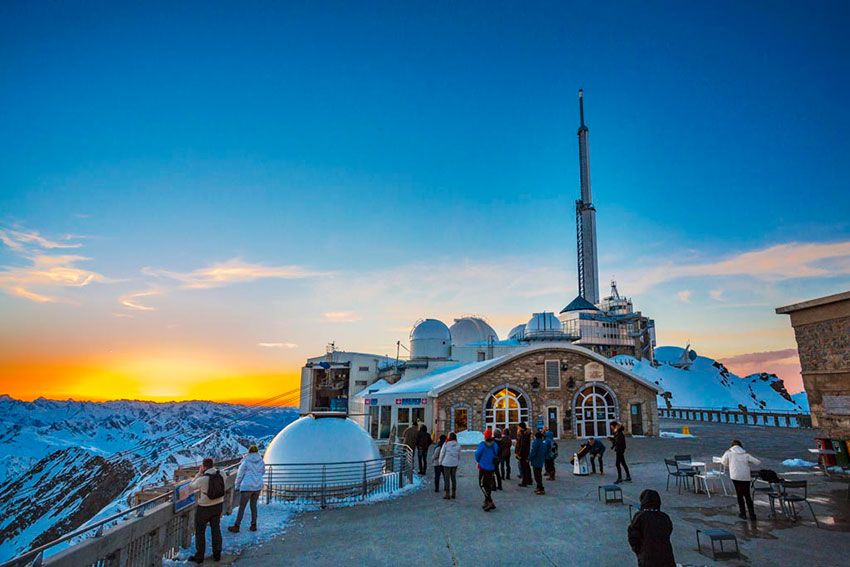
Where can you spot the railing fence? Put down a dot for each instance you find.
(767, 418)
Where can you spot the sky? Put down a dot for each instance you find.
(195, 197)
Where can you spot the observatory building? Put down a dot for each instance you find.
(552, 370)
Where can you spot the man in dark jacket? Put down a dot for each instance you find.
(537, 459)
(505, 454)
(408, 437)
(497, 439)
(618, 443)
(649, 533)
(523, 448)
(595, 450)
(423, 441)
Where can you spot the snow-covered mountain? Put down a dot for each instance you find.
(63, 463)
(707, 383)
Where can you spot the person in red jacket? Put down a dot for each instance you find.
(523, 448)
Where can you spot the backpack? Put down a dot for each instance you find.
(769, 476)
(215, 485)
(553, 451)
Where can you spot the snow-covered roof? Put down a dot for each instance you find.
(373, 388)
(443, 379)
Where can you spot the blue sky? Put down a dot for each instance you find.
(387, 161)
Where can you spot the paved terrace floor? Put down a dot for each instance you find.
(568, 526)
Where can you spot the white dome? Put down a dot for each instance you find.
(517, 332)
(430, 338)
(467, 330)
(317, 441)
(545, 322)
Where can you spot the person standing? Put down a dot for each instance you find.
(210, 485)
(618, 443)
(249, 483)
(595, 449)
(450, 459)
(537, 459)
(523, 447)
(738, 462)
(505, 454)
(487, 456)
(408, 437)
(435, 460)
(551, 453)
(497, 438)
(423, 441)
(649, 533)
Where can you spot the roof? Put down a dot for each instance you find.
(443, 379)
(373, 388)
(579, 304)
(844, 296)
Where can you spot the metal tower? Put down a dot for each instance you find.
(588, 268)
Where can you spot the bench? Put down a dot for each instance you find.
(719, 535)
(612, 490)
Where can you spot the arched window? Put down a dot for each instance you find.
(506, 408)
(594, 408)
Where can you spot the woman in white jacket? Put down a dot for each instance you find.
(249, 483)
(738, 462)
(449, 460)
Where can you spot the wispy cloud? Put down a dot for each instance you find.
(131, 300)
(684, 296)
(231, 272)
(277, 345)
(784, 363)
(341, 316)
(21, 240)
(716, 294)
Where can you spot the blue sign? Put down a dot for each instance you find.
(184, 496)
(540, 423)
(411, 401)
(339, 404)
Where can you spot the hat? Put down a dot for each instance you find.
(497, 434)
(522, 425)
(488, 434)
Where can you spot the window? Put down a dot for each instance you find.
(506, 408)
(361, 382)
(461, 419)
(595, 408)
(553, 374)
(408, 416)
(379, 421)
(482, 356)
(386, 414)
(363, 369)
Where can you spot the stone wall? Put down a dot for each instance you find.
(519, 373)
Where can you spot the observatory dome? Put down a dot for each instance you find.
(542, 324)
(321, 440)
(430, 338)
(517, 332)
(467, 330)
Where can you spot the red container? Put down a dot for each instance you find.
(825, 445)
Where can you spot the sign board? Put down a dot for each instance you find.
(411, 401)
(339, 404)
(184, 496)
(594, 372)
(371, 401)
(836, 405)
(540, 423)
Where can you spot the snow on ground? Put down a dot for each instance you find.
(273, 519)
(674, 435)
(798, 463)
(470, 437)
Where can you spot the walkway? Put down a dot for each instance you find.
(568, 526)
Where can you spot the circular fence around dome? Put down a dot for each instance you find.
(329, 460)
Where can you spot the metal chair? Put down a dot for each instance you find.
(791, 498)
(713, 471)
(679, 474)
(684, 459)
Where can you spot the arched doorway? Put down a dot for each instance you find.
(594, 407)
(506, 407)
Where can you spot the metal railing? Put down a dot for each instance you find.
(769, 418)
(149, 532)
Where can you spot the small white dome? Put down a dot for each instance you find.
(468, 330)
(430, 338)
(542, 324)
(321, 440)
(517, 332)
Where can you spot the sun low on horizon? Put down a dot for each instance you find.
(193, 217)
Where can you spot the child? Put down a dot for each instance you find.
(649, 533)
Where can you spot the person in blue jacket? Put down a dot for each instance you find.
(596, 449)
(487, 457)
(537, 458)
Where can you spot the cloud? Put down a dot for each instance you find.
(784, 363)
(341, 316)
(31, 295)
(130, 301)
(774, 263)
(231, 272)
(684, 296)
(47, 272)
(21, 240)
(716, 294)
(277, 345)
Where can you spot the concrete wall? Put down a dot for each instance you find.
(520, 373)
(822, 328)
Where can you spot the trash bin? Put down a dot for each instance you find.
(841, 457)
(825, 445)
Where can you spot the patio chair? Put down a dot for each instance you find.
(713, 472)
(791, 498)
(685, 461)
(680, 475)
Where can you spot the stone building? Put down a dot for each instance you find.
(569, 389)
(822, 328)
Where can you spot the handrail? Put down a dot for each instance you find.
(32, 553)
(734, 410)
